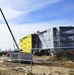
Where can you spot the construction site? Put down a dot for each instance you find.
(50, 52)
(40, 65)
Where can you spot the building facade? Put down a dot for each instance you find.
(57, 38)
(28, 43)
(66, 38)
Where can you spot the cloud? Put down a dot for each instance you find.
(27, 4)
(19, 10)
(31, 5)
(13, 9)
(10, 13)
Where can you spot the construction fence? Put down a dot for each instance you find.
(56, 64)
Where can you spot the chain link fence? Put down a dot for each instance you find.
(57, 64)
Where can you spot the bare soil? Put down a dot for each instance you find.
(43, 68)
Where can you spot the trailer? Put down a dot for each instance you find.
(17, 56)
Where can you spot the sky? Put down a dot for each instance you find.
(28, 16)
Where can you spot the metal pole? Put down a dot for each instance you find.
(13, 45)
(9, 29)
(50, 65)
(31, 61)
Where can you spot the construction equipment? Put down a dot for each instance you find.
(19, 54)
(9, 29)
(16, 55)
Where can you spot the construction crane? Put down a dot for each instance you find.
(30, 55)
(9, 29)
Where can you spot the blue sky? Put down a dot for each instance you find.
(61, 10)
(38, 11)
(28, 16)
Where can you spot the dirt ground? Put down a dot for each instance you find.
(7, 68)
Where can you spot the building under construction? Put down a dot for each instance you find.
(29, 43)
(57, 38)
(32, 43)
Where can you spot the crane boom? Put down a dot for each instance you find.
(9, 29)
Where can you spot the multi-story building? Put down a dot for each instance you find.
(64, 38)
(46, 38)
(57, 38)
(54, 39)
